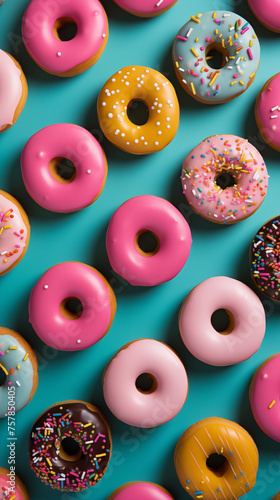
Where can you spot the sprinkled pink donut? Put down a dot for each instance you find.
(146, 8)
(264, 397)
(267, 111)
(148, 214)
(244, 335)
(72, 306)
(267, 12)
(167, 394)
(41, 156)
(41, 25)
(140, 491)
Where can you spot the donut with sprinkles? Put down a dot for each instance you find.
(267, 112)
(216, 56)
(146, 8)
(17, 491)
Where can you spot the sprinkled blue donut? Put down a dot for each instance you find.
(227, 33)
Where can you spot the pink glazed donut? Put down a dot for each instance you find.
(140, 491)
(267, 111)
(44, 151)
(148, 214)
(246, 329)
(146, 8)
(167, 394)
(41, 25)
(72, 306)
(264, 396)
(267, 12)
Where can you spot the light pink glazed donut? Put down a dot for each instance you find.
(246, 329)
(40, 31)
(167, 394)
(264, 397)
(267, 111)
(145, 8)
(52, 306)
(267, 12)
(39, 160)
(140, 491)
(143, 214)
(8, 491)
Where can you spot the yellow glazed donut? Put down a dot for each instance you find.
(138, 83)
(216, 459)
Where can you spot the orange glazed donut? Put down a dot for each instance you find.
(216, 459)
(138, 83)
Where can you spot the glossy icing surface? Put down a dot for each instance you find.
(144, 7)
(15, 362)
(65, 141)
(267, 12)
(13, 233)
(201, 338)
(151, 87)
(215, 157)
(267, 111)
(234, 38)
(216, 435)
(142, 491)
(136, 408)
(11, 89)
(5, 487)
(265, 398)
(153, 214)
(70, 279)
(53, 54)
(87, 428)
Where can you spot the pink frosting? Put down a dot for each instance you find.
(55, 55)
(66, 141)
(269, 107)
(13, 233)
(130, 405)
(198, 334)
(11, 89)
(144, 7)
(218, 154)
(153, 214)
(265, 398)
(142, 491)
(70, 279)
(267, 11)
(4, 487)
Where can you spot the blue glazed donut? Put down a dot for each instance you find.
(230, 35)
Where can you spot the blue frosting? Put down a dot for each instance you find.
(231, 35)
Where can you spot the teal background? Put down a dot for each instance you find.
(139, 454)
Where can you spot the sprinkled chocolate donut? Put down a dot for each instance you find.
(264, 259)
(81, 460)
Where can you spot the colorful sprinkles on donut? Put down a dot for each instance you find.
(204, 35)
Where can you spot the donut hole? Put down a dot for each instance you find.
(147, 243)
(217, 463)
(63, 170)
(65, 29)
(225, 180)
(71, 308)
(3, 376)
(138, 112)
(216, 55)
(70, 449)
(146, 383)
(223, 321)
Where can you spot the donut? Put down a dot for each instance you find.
(139, 490)
(267, 13)
(72, 306)
(152, 215)
(277, 497)
(19, 363)
(14, 232)
(267, 112)
(45, 180)
(14, 90)
(246, 329)
(216, 35)
(264, 396)
(11, 487)
(41, 33)
(224, 179)
(216, 459)
(264, 259)
(70, 446)
(127, 86)
(146, 8)
(157, 404)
